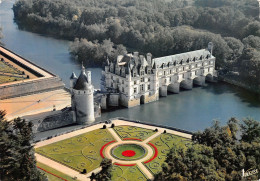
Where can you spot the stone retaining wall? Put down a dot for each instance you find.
(30, 87)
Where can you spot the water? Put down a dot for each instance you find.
(190, 110)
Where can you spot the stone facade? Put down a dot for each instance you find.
(138, 79)
(50, 120)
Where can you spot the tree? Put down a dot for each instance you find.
(105, 173)
(217, 153)
(17, 154)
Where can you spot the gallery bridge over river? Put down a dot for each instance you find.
(134, 79)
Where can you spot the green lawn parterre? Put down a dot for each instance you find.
(140, 152)
(123, 173)
(133, 132)
(8, 69)
(79, 152)
(83, 151)
(55, 172)
(164, 142)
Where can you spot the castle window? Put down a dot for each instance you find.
(164, 73)
(134, 74)
(142, 72)
(142, 79)
(183, 68)
(208, 69)
(135, 90)
(142, 87)
(148, 87)
(134, 82)
(149, 71)
(170, 79)
(149, 80)
(170, 71)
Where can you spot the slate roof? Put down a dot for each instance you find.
(183, 56)
(82, 82)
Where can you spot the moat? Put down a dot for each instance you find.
(189, 110)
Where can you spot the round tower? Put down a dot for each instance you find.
(83, 99)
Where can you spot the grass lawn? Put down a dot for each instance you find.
(79, 152)
(164, 143)
(8, 69)
(133, 132)
(120, 149)
(6, 79)
(123, 173)
(56, 172)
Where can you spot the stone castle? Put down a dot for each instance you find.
(134, 79)
(128, 81)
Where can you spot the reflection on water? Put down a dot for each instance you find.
(190, 110)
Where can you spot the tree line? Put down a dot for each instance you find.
(160, 27)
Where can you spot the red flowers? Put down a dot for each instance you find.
(128, 153)
(103, 147)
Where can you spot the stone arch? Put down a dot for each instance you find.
(174, 88)
(200, 81)
(186, 84)
(142, 99)
(209, 77)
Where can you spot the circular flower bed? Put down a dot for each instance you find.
(128, 152)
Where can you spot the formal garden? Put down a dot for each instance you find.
(132, 132)
(129, 148)
(162, 144)
(8, 73)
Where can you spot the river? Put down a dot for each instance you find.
(190, 110)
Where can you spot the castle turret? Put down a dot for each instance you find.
(82, 98)
(73, 79)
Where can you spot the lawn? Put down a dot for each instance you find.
(128, 152)
(79, 152)
(55, 172)
(123, 173)
(6, 79)
(8, 69)
(133, 132)
(164, 143)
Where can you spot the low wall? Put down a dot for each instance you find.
(30, 87)
(109, 122)
(50, 120)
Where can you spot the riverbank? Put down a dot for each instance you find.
(239, 84)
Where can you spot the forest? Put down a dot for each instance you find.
(106, 28)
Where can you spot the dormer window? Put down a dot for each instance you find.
(142, 73)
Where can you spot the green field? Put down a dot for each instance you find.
(164, 143)
(133, 132)
(79, 152)
(123, 173)
(55, 172)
